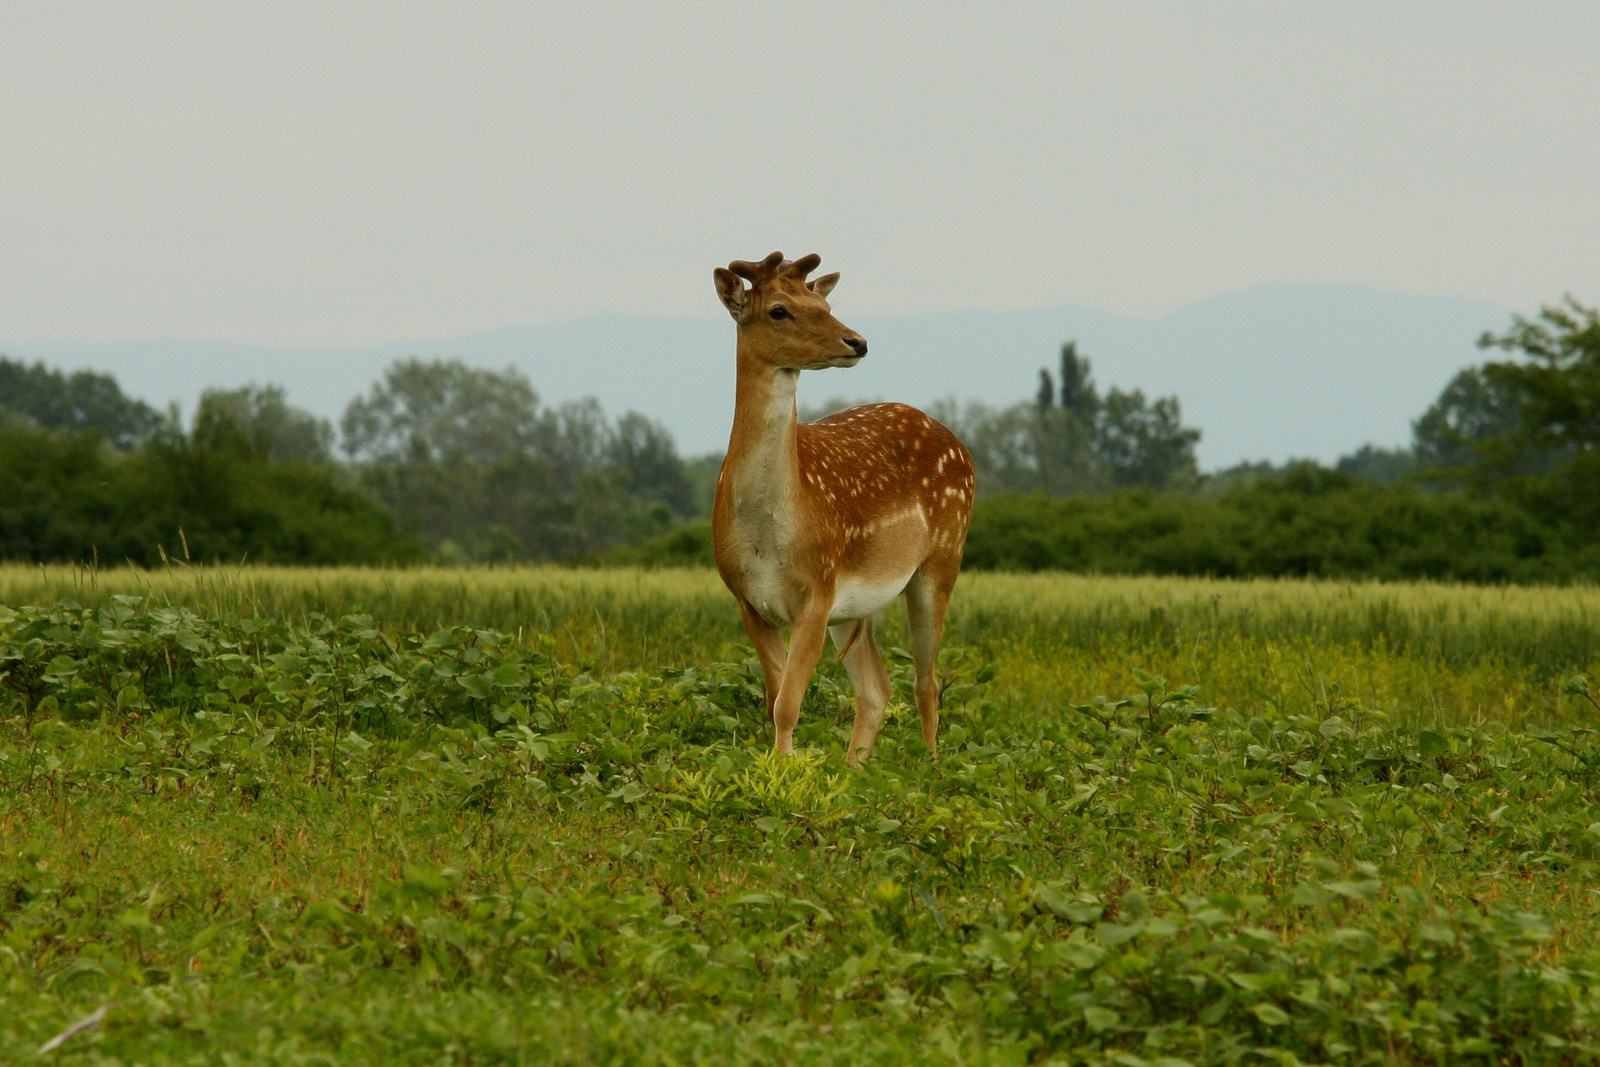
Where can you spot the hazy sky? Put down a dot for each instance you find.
(351, 173)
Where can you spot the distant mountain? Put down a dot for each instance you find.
(1278, 371)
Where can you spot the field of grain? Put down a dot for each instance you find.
(530, 816)
(1430, 652)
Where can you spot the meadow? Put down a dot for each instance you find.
(1427, 651)
(527, 815)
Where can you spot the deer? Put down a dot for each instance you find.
(819, 526)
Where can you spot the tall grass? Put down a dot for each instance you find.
(1441, 652)
(617, 619)
(1435, 652)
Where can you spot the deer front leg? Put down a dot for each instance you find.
(805, 649)
(768, 642)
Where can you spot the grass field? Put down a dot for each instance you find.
(1432, 653)
(528, 816)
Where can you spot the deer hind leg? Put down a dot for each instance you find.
(859, 650)
(927, 595)
(768, 642)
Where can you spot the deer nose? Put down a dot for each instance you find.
(857, 345)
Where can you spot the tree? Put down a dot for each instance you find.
(440, 409)
(1145, 443)
(1471, 412)
(1073, 440)
(1077, 388)
(75, 403)
(1062, 436)
(1003, 441)
(258, 420)
(645, 452)
(475, 467)
(1556, 389)
(1550, 462)
(67, 497)
(574, 438)
(1378, 466)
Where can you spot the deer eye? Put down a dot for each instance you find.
(778, 312)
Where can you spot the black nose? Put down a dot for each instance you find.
(857, 345)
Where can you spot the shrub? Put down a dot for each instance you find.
(1311, 522)
(70, 498)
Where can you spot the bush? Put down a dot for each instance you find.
(71, 498)
(1311, 522)
(1308, 522)
(687, 546)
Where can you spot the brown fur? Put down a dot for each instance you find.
(819, 525)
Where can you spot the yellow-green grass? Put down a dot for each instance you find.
(1434, 652)
(319, 843)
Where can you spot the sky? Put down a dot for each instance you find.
(366, 173)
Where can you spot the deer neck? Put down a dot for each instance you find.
(762, 470)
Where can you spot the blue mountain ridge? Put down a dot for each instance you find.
(1273, 372)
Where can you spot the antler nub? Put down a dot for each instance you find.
(804, 265)
(774, 265)
(756, 273)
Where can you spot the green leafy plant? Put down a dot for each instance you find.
(330, 838)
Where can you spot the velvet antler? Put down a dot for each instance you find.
(773, 266)
(756, 273)
(803, 266)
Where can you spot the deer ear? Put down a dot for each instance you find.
(732, 293)
(824, 285)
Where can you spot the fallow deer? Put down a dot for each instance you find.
(820, 525)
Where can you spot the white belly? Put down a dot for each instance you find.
(859, 597)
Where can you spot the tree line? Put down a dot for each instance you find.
(89, 475)
(1501, 481)
(446, 462)
(439, 460)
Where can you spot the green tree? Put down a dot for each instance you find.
(1470, 413)
(1550, 462)
(1305, 520)
(1071, 439)
(259, 420)
(68, 497)
(648, 458)
(1077, 387)
(1062, 436)
(1380, 466)
(1003, 441)
(442, 409)
(1556, 387)
(75, 403)
(477, 468)
(1145, 443)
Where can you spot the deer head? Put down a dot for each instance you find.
(784, 320)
